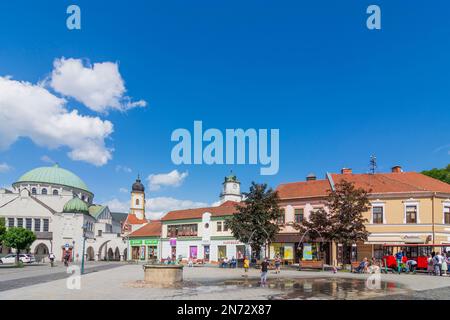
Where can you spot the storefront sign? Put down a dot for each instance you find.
(232, 242)
(153, 241)
(307, 251)
(135, 242)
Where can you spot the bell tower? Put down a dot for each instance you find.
(138, 199)
(231, 190)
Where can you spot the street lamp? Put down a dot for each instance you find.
(84, 243)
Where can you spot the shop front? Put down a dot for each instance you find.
(144, 249)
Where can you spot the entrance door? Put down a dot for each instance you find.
(206, 253)
(193, 252)
(174, 253)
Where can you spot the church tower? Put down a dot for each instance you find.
(138, 199)
(231, 190)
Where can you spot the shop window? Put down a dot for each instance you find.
(411, 214)
(219, 226)
(281, 217)
(378, 251)
(299, 215)
(377, 215)
(222, 252)
(44, 191)
(447, 215)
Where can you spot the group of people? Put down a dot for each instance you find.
(374, 266)
(228, 263)
(438, 264)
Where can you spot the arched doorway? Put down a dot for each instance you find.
(117, 254)
(125, 255)
(90, 254)
(41, 252)
(110, 254)
(103, 252)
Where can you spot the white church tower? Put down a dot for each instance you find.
(138, 199)
(231, 189)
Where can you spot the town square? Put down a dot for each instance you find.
(217, 159)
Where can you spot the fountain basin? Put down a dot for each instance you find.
(163, 274)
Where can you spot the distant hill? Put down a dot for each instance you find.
(440, 174)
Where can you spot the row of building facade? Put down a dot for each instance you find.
(406, 208)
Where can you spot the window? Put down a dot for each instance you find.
(45, 225)
(219, 226)
(28, 223)
(225, 226)
(20, 222)
(37, 225)
(411, 214)
(137, 202)
(447, 215)
(222, 252)
(10, 222)
(182, 230)
(33, 191)
(378, 251)
(377, 215)
(100, 232)
(55, 192)
(281, 218)
(44, 191)
(82, 197)
(299, 215)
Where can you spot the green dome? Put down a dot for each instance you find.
(76, 205)
(53, 175)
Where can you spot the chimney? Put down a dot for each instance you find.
(311, 177)
(397, 169)
(346, 171)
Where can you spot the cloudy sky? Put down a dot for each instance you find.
(103, 101)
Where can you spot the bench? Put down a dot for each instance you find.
(307, 264)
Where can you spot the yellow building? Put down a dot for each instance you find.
(407, 207)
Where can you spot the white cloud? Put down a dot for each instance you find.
(99, 86)
(4, 167)
(123, 168)
(172, 179)
(32, 111)
(156, 208)
(116, 205)
(47, 159)
(123, 190)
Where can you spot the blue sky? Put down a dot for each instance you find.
(337, 91)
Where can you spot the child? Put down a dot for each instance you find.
(246, 264)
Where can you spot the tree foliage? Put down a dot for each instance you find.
(344, 222)
(255, 221)
(18, 238)
(440, 174)
(2, 229)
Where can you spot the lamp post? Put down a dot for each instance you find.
(82, 253)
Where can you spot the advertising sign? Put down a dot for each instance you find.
(307, 251)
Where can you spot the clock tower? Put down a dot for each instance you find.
(138, 199)
(231, 190)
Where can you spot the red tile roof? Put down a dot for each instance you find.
(304, 189)
(225, 209)
(151, 229)
(401, 182)
(132, 219)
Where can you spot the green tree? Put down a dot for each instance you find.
(18, 238)
(440, 174)
(344, 222)
(255, 221)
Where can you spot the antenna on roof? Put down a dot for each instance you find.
(373, 164)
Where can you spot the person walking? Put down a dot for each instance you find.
(437, 261)
(264, 270)
(277, 264)
(430, 267)
(444, 264)
(51, 256)
(399, 257)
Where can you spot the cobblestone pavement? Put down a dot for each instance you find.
(123, 281)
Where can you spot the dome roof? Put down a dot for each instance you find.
(53, 175)
(76, 205)
(138, 186)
